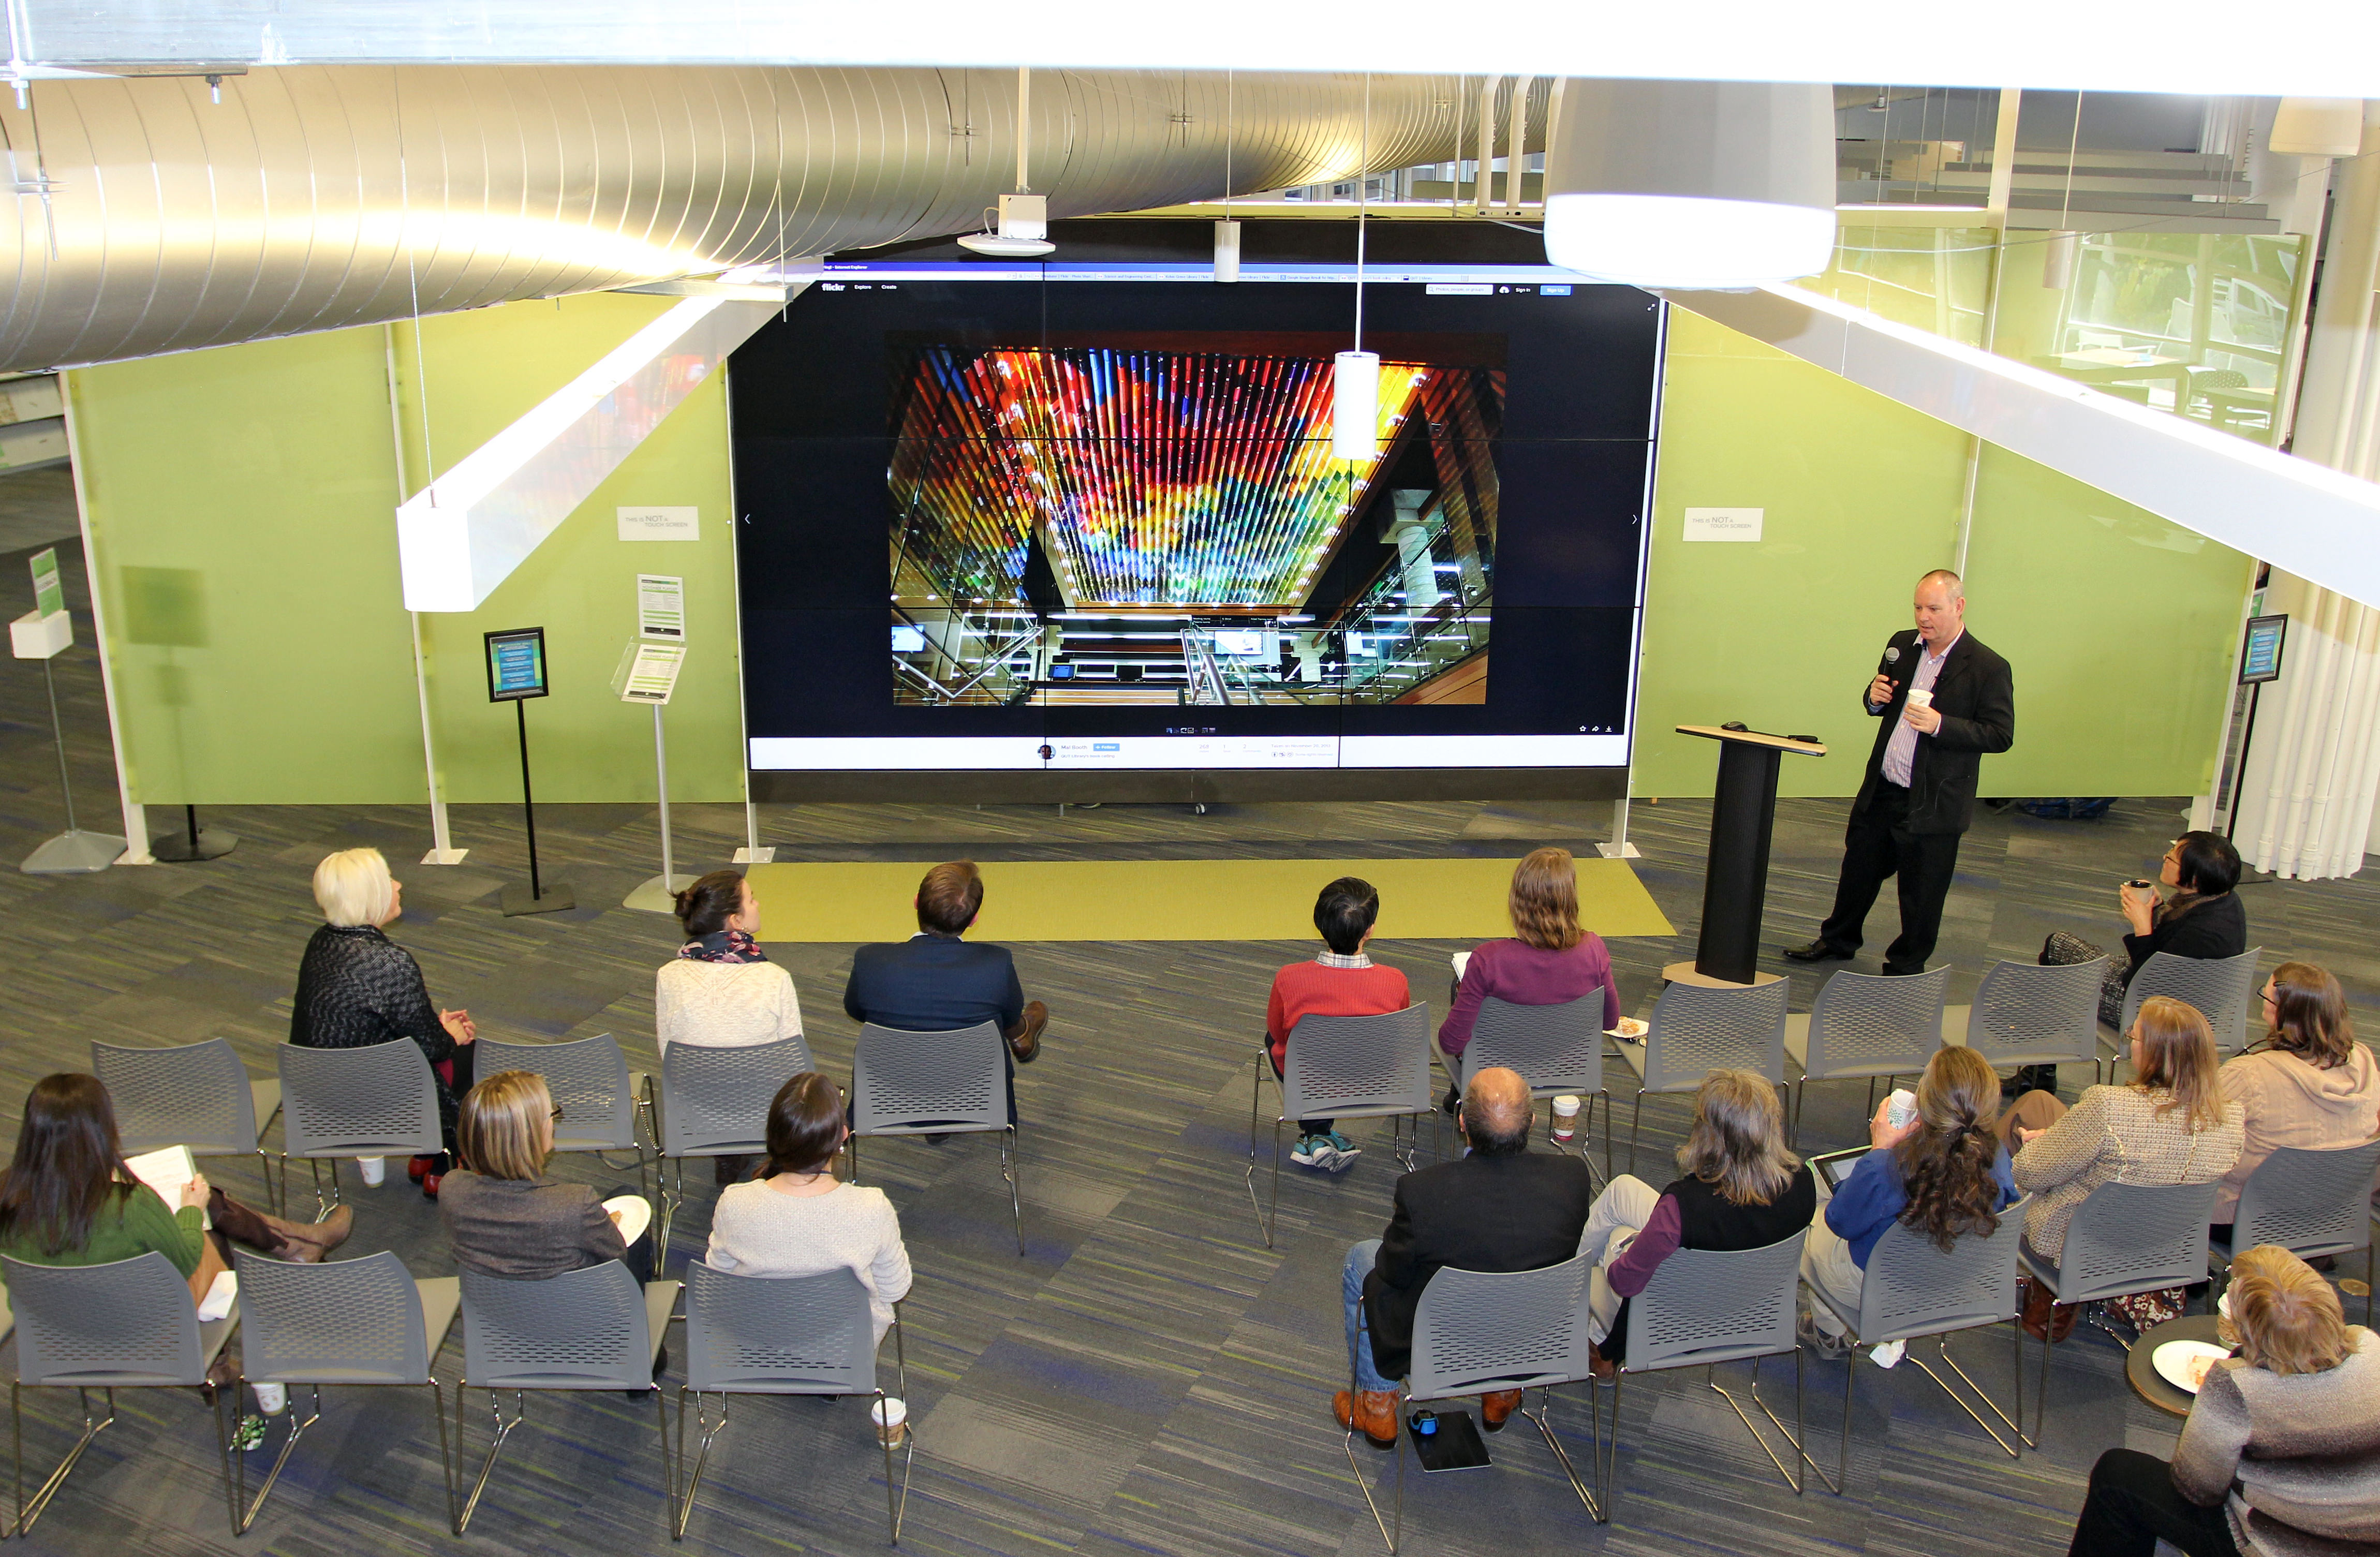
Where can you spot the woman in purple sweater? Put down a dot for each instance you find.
(1550, 960)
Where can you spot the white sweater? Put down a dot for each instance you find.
(725, 1004)
(756, 1231)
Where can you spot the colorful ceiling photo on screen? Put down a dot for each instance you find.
(1169, 525)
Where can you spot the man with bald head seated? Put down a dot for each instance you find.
(1499, 1207)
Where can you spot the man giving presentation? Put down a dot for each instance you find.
(1944, 700)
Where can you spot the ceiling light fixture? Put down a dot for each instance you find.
(1356, 375)
(1703, 184)
(1227, 231)
(1024, 217)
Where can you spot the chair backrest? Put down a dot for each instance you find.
(1476, 1329)
(1555, 1048)
(1696, 1030)
(2135, 1237)
(899, 1077)
(1871, 1024)
(588, 1078)
(583, 1330)
(2218, 986)
(778, 1334)
(1915, 1288)
(354, 1322)
(716, 1099)
(1706, 1306)
(2308, 1201)
(2031, 1014)
(1358, 1065)
(376, 1102)
(194, 1094)
(127, 1324)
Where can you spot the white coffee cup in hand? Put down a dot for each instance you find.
(1920, 697)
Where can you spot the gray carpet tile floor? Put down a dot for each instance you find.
(1148, 1377)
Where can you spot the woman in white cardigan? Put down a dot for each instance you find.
(721, 990)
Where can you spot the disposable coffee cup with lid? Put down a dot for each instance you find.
(890, 1415)
(1565, 1117)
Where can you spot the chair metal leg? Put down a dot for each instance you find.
(1607, 1449)
(2014, 1424)
(264, 1169)
(670, 1200)
(1635, 1124)
(446, 1445)
(2041, 1400)
(1012, 1168)
(237, 1462)
(1794, 1477)
(28, 1513)
(1392, 1528)
(1265, 1217)
(1544, 1419)
(682, 1503)
(503, 1431)
(1793, 1134)
(897, 1505)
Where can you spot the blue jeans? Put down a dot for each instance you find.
(1359, 1341)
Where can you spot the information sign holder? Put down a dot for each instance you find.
(44, 633)
(2260, 661)
(516, 674)
(193, 842)
(648, 673)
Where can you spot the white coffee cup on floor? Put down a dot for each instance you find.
(374, 1169)
(890, 1415)
(1565, 1117)
(1921, 697)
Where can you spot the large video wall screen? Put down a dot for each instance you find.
(1094, 520)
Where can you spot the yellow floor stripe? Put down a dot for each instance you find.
(1183, 899)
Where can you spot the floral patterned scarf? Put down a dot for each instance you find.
(725, 946)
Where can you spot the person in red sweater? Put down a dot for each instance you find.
(1341, 981)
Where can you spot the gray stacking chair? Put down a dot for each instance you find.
(2219, 986)
(2311, 1203)
(1477, 1331)
(2124, 1238)
(356, 1322)
(1696, 1030)
(126, 1325)
(1913, 1290)
(1864, 1026)
(1557, 1049)
(584, 1330)
(379, 1101)
(937, 1083)
(1343, 1067)
(2025, 1013)
(196, 1095)
(714, 1102)
(781, 1335)
(1707, 1307)
(591, 1084)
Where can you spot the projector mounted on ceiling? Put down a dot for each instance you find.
(1023, 233)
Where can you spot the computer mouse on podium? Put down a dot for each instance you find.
(1736, 725)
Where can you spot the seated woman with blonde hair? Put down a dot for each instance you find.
(1550, 960)
(2280, 1455)
(505, 1216)
(2171, 1125)
(1944, 1173)
(2308, 1084)
(1738, 1188)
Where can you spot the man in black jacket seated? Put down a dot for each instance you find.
(1919, 793)
(1498, 1208)
(935, 982)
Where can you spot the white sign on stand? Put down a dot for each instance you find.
(650, 673)
(44, 633)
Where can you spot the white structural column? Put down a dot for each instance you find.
(2305, 801)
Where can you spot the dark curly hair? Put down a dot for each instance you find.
(1946, 1162)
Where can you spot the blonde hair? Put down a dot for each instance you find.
(2287, 1317)
(499, 1129)
(2178, 1057)
(1544, 903)
(353, 886)
(1738, 1140)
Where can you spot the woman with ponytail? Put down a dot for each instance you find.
(1944, 1174)
(721, 990)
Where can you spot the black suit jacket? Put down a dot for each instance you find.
(1976, 695)
(1518, 1212)
(934, 983)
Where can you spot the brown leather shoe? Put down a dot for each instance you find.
(1496, 1406)
(1024, 1041)
(2042, 1319)
(1374, 1411)
(1603, 1368)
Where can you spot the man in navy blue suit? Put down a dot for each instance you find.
(935, 982)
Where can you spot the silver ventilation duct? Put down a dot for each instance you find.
(150, 218)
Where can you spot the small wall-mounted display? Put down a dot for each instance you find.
(516, 664)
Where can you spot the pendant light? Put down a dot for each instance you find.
(1024, 232)
(1690, 184)
(1227, 231)
(1356, 375)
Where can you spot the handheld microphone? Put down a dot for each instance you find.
(1892, 654)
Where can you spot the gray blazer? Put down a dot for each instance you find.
(526, 1229)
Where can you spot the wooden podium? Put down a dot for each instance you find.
(1735, 878)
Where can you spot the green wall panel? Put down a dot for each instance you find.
(240, 505)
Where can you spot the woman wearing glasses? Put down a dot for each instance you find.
(506, 1216)
(2307, 1084)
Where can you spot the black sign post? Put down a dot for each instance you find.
(2260, 661)
(517, 674)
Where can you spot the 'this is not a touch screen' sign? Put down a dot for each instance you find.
(660, 524)
(1723, 524)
